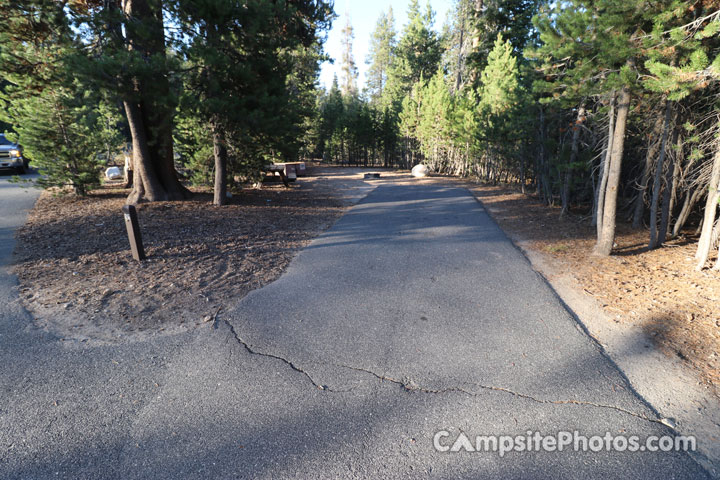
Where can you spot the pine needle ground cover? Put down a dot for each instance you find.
(79, 281)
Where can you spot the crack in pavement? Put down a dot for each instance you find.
(250, 350)
(411, 387)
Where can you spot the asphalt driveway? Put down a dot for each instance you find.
(414, 318)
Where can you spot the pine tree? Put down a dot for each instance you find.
(149, 101)
(434, 129)
(499, 84)
(679, 64)
(500, 96)
(410, 116)
(417, 56)
(672, 63)
(511, 18)
(63, 124)
(382, 43)
(253, 63)
(588, 48)
(457, 39)
(331, 114)
(348, 69)
(61, 130)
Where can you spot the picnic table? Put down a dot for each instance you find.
(288, 171)
(271, 170)
(298, 167)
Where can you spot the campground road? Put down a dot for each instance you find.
(15, 202)
(414, 314)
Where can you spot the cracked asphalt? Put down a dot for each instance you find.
(413, 314)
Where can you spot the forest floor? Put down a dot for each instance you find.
(656, 290)
(79, 281)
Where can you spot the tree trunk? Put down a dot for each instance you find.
(145, 185)
(544, 173)
(657, 182)
(478, 11)
(478, 6)
(691, 198)
(573, 158)
(711, 205)
(148, 114)
(220, 154)
(547, 182)
(595, 180)
(652, 150)
(602, 184)
(128, 171)
(522, 174)
(715, 237)
(539, 159)
(677, 174)
(668, 197)
(460, 60)
(604, 245)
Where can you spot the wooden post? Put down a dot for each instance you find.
(133, 230)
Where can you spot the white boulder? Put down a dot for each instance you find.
(113, 173)
(420, 171)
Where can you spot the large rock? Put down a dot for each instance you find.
(113, 173)
(420, 171)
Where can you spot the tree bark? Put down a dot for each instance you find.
(657, 181)
(574, 148)
(602, 184)
(691, 198)
(220, 154)
(522, 173)
(474, 73)
(460, 60)
(148, 114)
(711, 205)
(476, 34)
(605, 242)
(144, 176)
(128, 171)
(596, 181)
(652, 150)
(540, 157)
(715, 237)
(668, 197)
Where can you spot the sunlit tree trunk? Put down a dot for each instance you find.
(148, 114)
(657, 181)
(711, 205)
(606, 239)
(221, 160)
(671, 179)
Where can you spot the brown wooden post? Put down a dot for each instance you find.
(133, 230)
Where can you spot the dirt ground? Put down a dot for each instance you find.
(79, 281)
